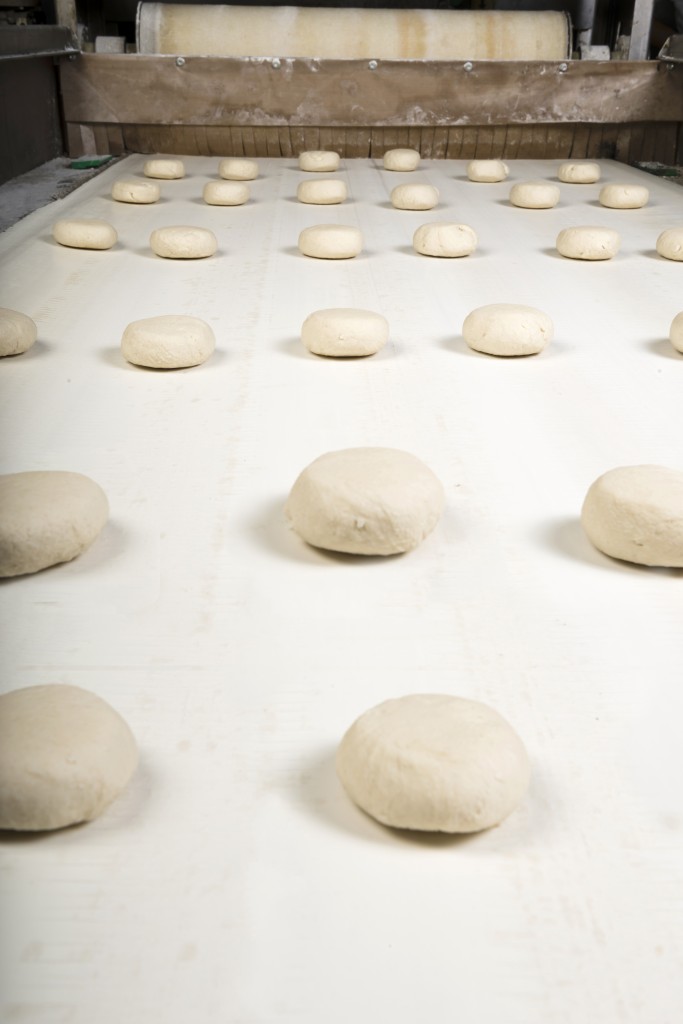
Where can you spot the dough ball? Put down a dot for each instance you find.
(344, 332)
(365, 501)
(84, 234)
(47, 517)
(330, 241)
(183, 243)
(323, 192)
(414, 197)
(579, 174)
(168, 342)
(487, 170)
(441, 238)
(237, 169)
(535, 195)
(624, 197)
(401, 160)
(636, 513)
(167, 169)
(17, 332)
(135, 191)
(65, 754)
(435, 763)
(226, 193)
(588, 243)
(676, 332)
(319, 160)
(670, 244)
(504, 329)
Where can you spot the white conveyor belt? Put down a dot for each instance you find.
(234, 882)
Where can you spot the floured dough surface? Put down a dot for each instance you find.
(670, 244)
(47, 517)
(65, 755)
(588, 243)
(141, 192)
(331, 241)
(164, 168)
(584, 173)
(636, 513)
(401, 160)
(344, 332)
(676, 332)
(325, 192)
(535, 195)
(226, 193)
(168, 342)
(624, 197)
(487, 170)
(320, 160)
(506, 329)
(435, 763)
(237, 169)
(445, 239)
(17, 332)
(84, 233)
(365, 501)
(417, 196)
(183, 242)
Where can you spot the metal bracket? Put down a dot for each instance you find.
(18, 42)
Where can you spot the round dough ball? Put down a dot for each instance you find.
(579, 174)
(344, 332)
(65, 755)
(505, 329)
(434, 763)
(442, 238)
(588, 243)
(168, 342)
(535, 195)
(670, 244)
(17, 332)
(322, 192)
(365, 501)
(237, 169)
(85, 233)
(47, 517)
(183, 243)
(225, 193)
(676, 332)
(636, 513)
(163, 168)
(319, 160)
(135, 191)
(487, 170)
(331, 241)
(401, 160)
(414, 197)
(624, 197)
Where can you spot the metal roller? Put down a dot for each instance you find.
(341, 33)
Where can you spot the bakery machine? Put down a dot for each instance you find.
(459, 83)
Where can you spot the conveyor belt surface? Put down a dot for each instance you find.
(234, 882)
